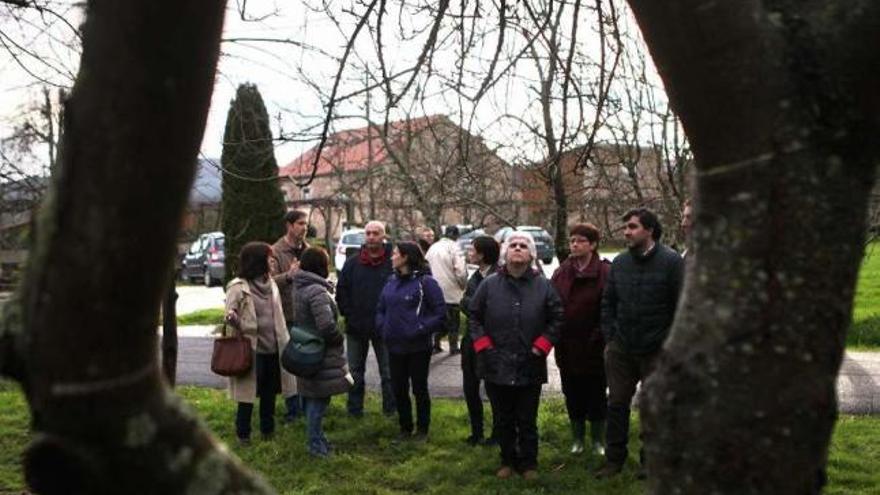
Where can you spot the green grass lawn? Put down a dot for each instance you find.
(213, 316)
(865, 330)
(368, 461)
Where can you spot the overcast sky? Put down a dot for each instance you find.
(278, 69)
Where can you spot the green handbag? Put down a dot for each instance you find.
(304, 352)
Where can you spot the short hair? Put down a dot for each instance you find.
(375, 223)
(488, 247)
(415, 260)
(648, 220)
(451, 232)
(588, 230)
(315, 260)
(294, 216)
(253, 260)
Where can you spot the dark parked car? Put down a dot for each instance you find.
(465, 240)
(206, 260)
(543, 242)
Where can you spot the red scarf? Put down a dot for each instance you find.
(366, 259)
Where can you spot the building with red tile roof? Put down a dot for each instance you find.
(414, 172)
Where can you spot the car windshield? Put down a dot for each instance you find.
(536, 232)
(356, 239)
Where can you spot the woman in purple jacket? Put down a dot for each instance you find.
(411, 308)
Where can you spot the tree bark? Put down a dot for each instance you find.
(775, 98)
(103, 420)
(169, 331)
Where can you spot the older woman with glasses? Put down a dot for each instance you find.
(515, 319)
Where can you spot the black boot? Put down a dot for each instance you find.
(597, 436)
(578, 431)
(453, 345)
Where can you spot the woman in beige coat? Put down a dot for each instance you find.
(253, 305)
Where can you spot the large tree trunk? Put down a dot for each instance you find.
(779, 103)
(103, 420)
(169, 330)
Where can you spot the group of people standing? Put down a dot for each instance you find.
(277, 287)
(606, 321)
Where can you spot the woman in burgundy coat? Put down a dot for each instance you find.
(579, 281)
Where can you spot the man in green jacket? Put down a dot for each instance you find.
(638, 306)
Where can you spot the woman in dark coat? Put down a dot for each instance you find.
(514, 320)
(579, 281)
(315, 309)
(484, 253)
(411, 308)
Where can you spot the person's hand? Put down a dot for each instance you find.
(232, 317)
(294, 267)
(336, 339)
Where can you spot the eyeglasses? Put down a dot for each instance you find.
(518, 245)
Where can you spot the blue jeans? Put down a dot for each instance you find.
(357, 347)
(294, 407)
(315, 408)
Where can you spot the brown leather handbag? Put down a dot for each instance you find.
(233, 355)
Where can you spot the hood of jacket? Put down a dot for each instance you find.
(303, 279)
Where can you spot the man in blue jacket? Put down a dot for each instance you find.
(357, 292)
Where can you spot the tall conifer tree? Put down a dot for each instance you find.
(252, 205)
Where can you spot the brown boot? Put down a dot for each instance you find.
(530, 475)
(504, 472)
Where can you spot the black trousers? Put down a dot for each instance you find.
(470, 384)
(450, 328)
(516, 408)
(406, 369)
(625, 370)
(585, 397)
(268, 374)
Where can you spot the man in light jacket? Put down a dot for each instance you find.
(449, 269)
